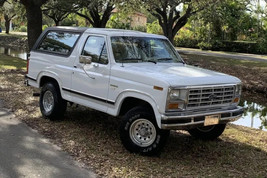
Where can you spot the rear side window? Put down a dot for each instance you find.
(58, 42)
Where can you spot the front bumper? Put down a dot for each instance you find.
(190, 120)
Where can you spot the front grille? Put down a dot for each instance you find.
(210, 96)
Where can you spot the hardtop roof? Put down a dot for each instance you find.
(105, 31)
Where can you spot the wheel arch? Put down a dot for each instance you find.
(129, 100)
(45, 77)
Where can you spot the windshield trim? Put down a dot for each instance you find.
(165, 44)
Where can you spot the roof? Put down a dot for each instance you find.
(105, 31)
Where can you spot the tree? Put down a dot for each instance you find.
(174, 14)
(8, 10)
(95, 11)
(56, 10)
(227, 20)
(34, 19)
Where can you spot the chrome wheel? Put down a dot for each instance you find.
(48, 101)
(142, 132)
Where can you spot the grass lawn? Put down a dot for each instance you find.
(14, 34)
(7, 62)
(92, 138)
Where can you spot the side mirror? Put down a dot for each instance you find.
(85, 59)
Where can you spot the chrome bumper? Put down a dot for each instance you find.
(189, 120)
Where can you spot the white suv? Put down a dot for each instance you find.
(136, 75)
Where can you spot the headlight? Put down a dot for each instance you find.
(174, 95)
(176, 99)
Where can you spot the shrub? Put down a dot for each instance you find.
(204, 45)
(23, 29)
(44, 27)
(185, 42)
(154, 28)
(140, 28)
(262, 46)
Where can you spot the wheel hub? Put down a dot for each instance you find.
(48, 101)
(142, 132)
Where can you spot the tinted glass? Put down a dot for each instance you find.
(59, 42)
(143, 49)
(96, 48)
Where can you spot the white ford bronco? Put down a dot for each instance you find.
(138, 76)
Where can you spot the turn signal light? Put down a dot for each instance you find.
(173, 106)
(236, 100)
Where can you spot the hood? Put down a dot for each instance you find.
(175, 74)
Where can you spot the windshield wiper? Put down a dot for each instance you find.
(164, 59)
(152, 61)
(133, 60)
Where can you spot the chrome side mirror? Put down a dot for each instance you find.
(85, 59)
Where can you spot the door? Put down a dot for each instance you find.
(90, 81)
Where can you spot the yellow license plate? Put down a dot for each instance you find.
(212, 120)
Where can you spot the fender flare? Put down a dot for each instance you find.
(142, 96)
(49, 74)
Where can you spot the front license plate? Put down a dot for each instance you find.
(212, 120)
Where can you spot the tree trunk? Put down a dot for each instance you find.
(57, 22)
(34, 26)
(7, 23)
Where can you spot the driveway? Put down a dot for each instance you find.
(25, 153)
(252, 57)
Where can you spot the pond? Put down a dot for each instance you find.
(15, 52)
(255, 115)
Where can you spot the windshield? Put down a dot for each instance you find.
(143, 49)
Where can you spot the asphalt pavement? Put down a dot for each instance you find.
(25, 153)
(242, 56)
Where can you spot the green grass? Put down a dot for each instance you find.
(13, 35)
(8, 62)
(226, 61)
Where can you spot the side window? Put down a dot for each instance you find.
(95, 47)
(58, 42)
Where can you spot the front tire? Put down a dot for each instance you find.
(208, 132)
(52, 105)
(139, 132)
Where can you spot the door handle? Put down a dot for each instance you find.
(96, 65)
(78, 66)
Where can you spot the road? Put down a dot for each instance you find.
(251, 57)
(25, 153)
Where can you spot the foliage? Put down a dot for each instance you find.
(119, 20)
(44, 27)
(8, 10)
(23, 29)
(228, 25)
(140, 28)
(174, 14)
(96, 12)
(154, 28)
(56, 10)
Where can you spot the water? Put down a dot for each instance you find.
(20, 53)
(255, 116)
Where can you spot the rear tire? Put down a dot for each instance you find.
(207, 132)
(139, 132)
(52, 105)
